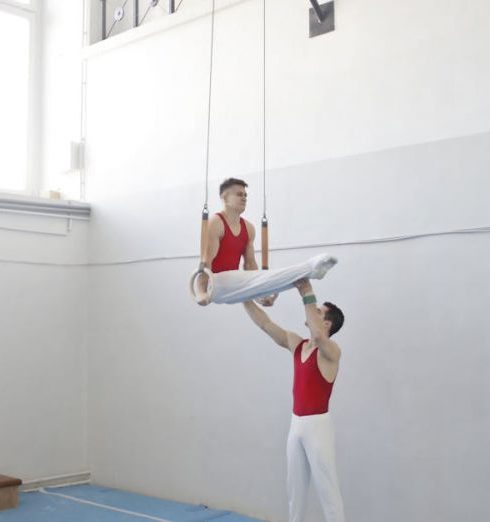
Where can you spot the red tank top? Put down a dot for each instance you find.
(231, 248)
(311, 392)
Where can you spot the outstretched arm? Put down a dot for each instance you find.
(316, 322)
(283, 338)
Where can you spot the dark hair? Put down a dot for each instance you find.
(335, 315)
(229, 183)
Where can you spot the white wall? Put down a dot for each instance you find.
(42, 370)
(389, 76)
(378, 129)
(43, 306)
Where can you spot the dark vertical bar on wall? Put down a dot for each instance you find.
(136, 14)
(171, 6)
(104, 16)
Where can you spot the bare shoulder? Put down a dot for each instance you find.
(215, 219)
(293, 341)
(336, 347)
(330, 350)
(250, 227)
(249, 224)
(216, 224)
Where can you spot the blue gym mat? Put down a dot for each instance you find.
(98, 504)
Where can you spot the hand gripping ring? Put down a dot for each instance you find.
(202, 298)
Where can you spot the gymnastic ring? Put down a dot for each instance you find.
(205, 298)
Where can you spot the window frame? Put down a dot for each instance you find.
(31, 12)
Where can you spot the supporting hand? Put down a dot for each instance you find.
(202, 286)
(304, 287)
(267, 300)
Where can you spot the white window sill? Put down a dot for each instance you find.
(16, 204)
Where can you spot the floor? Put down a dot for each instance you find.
(88, 503)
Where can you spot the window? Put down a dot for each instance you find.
(17, 110)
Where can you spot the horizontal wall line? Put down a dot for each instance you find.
(372, 241)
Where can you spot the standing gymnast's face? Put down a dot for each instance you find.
(322, 313)
(323, 310)
(236, 198)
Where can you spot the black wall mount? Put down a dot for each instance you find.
(322, 18)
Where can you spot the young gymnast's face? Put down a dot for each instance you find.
(321, 313)
(236, 198)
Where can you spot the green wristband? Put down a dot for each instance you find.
(309, 299)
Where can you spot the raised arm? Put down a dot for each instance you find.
(316, 322)
(283, 338)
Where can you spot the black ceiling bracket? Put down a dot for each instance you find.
(322, 18)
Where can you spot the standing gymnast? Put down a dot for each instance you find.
(310, 447)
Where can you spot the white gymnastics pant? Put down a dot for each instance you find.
(237, 286)
(311, 454)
